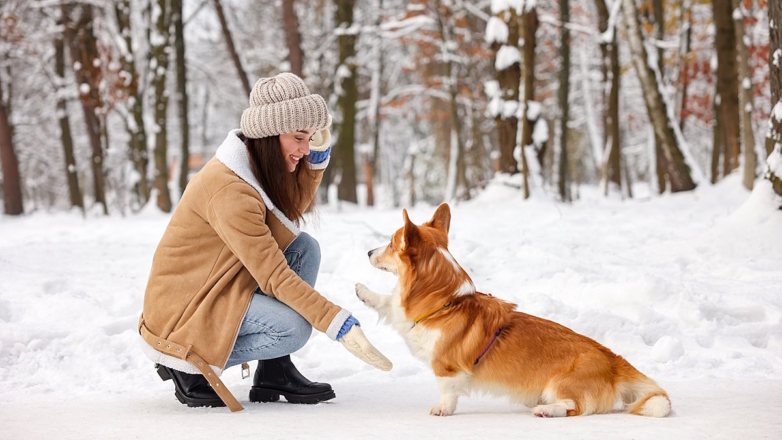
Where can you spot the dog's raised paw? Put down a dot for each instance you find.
(363, 293)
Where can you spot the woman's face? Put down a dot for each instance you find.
(295, 145)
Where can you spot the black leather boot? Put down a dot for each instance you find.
(191, 389)
(275, 377)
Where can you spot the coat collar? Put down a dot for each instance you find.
(233, 154)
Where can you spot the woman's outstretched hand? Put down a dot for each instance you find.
(358, 344)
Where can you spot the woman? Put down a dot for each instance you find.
(232, 278)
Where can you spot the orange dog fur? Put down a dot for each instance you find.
(444, 321)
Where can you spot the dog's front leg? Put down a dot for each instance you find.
(451, 387)
(381, 303)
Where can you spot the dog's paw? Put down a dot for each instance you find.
(555, 410)
(365, 295)
(441, 409)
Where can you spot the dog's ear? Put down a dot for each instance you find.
(442, 218)
(410, 234)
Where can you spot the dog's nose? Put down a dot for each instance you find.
(369, 254)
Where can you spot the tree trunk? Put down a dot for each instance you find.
(658, 11)
(346, 102)
(745, 98)
(612, 166)
(684, 62)
(374, 111)
(71, 172)
(508, 79)
(727, 99)
(564, 86)
(84, 54)
(291, 23)
(12, 187)
(159, 47)
(137, 147)
(530, 26)
(774, 136)
(232, 49)
(457, 145)
(182, 100)
(677, 168)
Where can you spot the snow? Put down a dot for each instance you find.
(533, 110)
(510, 109)
(777, 56)
(540, 132)
(685, 286)
(498, 6)
(84, 88)
(496, 31)
(607, 37)
(506, 57)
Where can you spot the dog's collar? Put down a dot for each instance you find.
(428, 315)
(496, 334)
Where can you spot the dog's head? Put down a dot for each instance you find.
(411, 243)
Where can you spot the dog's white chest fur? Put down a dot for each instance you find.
(420, 340)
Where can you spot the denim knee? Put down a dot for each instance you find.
(308, 247)
(300, 334)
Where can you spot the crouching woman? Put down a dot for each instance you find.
(232, 278)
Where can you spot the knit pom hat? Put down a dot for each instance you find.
(284, 104)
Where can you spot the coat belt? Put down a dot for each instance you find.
(186, 353)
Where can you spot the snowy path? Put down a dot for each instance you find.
(702, 409)
(686, 287)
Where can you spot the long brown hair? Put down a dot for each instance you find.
(291, 192)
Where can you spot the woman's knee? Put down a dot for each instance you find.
(299, 334)
(309, 247)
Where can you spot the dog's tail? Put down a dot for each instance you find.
(641, 395)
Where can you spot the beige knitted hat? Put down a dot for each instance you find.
(283, 104)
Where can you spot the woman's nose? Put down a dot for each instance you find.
(305, 149)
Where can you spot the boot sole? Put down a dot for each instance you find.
(197, 403)
(258, 394)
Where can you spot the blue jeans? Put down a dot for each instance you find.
(271, 329)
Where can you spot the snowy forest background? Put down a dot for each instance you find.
(107, 105)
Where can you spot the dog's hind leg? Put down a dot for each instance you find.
(381, 303)
(451, 387)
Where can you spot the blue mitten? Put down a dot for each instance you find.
(317, 157)
(350, 322)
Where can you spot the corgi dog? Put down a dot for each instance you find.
(474, 341)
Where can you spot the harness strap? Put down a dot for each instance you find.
(426, 316)
(186, 353)
(497, 333)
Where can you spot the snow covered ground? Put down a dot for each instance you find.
(687, 287)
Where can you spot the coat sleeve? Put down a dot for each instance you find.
(238, 217)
